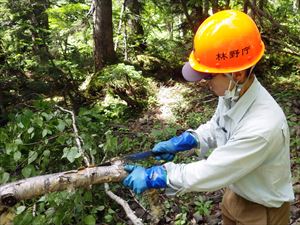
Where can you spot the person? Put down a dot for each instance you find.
(248, 133)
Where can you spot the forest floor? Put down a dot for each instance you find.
(181, 103)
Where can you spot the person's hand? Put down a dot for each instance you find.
(141, 179)
(166, 150)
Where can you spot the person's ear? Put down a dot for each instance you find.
(239, 76)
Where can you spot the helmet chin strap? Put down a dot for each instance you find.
(231, 96)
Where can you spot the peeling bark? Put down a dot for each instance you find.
(29, 188)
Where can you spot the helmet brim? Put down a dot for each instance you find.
(191, 75)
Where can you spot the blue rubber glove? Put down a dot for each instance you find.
(141, 179)
(168, 149)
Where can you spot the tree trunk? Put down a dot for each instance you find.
(135, 24)
(186, 13)
(205, 8)
(261, 4)
(199, 10)
(103, 34)
(252, 13)
(215, 6)
(245, 8)
(12, 193)
(40, 23)
(227, 3)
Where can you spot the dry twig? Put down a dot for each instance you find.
(130, 214)
(78, 139)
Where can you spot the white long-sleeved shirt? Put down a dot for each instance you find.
(251, 152)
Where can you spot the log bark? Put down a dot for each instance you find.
(29, 188)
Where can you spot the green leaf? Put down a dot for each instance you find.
(32, 156)
(39, 121)
(18, 141)
(26, 172)
(17, 156)
(10, 147)
(47, 116)
(39, 219)
(89, 220)
(71, 154)
(111, 211)
(88, 196)
(30, 130)
(42, 199)
(66, 151)
(44, 133)
(100, 208)
(61, 125)
(20, 125)
(5, 177)
(61, 139)
(68, 122)
(46, 153)
(108, 218)
(20, 209)
(25, 219)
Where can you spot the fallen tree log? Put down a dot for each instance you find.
(12, 193)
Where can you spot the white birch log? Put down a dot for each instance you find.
(29, 188)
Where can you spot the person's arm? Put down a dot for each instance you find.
(224, 166)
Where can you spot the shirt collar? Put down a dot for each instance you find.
(240, 108)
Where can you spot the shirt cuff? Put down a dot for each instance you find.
(172, 189)
(200, 143)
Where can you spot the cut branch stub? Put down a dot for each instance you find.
(9, 200)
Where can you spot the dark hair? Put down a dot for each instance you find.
(250, 69)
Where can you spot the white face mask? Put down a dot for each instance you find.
(234, 93)
(231, 96)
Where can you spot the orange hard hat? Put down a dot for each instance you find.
(226, 42)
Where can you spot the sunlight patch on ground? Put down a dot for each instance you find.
(168, 98)
(86, 82)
